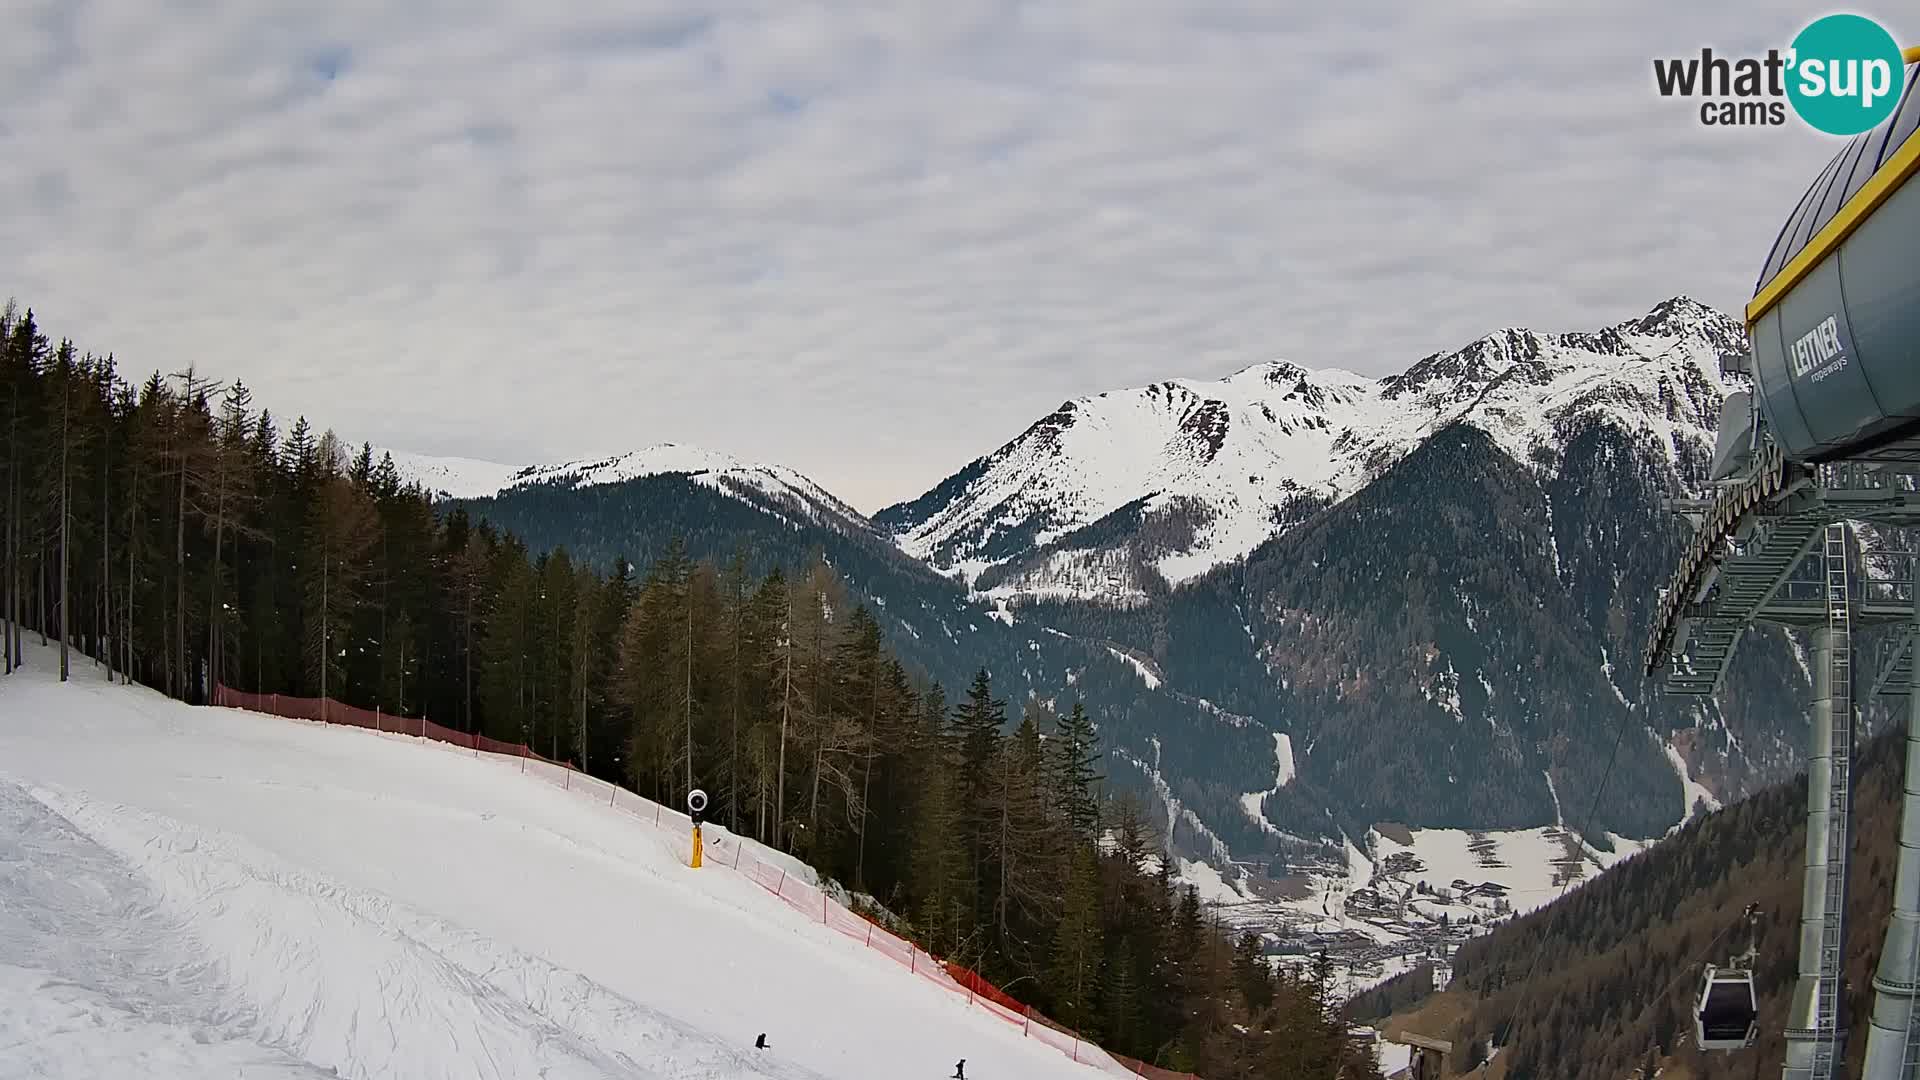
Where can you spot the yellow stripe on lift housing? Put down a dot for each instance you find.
(1892, 173)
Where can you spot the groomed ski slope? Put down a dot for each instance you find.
(190, 892)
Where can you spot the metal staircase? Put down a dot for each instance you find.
(1773, 547)
(1730, 510)
(1748, 542)
(1895, 665)
(1747, 578)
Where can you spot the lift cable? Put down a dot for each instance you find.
(1747, 918)
(1553, 912)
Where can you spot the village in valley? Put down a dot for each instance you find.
(1408, 897)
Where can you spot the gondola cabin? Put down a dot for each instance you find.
(1726, 1016)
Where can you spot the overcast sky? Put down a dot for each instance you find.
(868, 240)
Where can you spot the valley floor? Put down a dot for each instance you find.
(1371, 916)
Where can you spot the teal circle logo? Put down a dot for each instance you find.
(1845, 74)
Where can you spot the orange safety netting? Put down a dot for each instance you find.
(721, 850)
(972, 981)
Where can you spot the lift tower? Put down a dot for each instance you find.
(1828, 438)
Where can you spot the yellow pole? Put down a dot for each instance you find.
(1911, 56)
(696, 847)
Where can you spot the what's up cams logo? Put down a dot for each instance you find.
(1842, 75)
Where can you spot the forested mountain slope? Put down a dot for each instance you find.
(1620, 958)
(1443, 625)
(1454, 646)
(168, 533)
(1187, 759)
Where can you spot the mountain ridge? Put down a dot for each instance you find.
(1315, 437)
(1205, 472)
(1114, 583)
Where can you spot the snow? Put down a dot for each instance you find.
(1146, 674)
(1446, 694)
(195, 892)
(1241, 449)
(1359, 868)
(1696, 792)
(1207, 882)
(1392, 1056)
(1176, 812)
(1126, 445)
(1527, 861)
(1624, 848)
(1284, 773)
(1068, 574)
(452, 477)
(93, 974)
(1283, 756)
(1606, 669)
(465, 478)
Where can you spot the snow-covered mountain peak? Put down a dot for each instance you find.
(465, 478)
(663, 459)
(1188, 474)
(1681, 315)
(1271, 371)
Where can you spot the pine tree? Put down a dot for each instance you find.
(229, 555)
(191, 451)
(1252, 977)
(738, 615)
(505, 686)
(586, 599)
(467, 570)
(977, 723)
(1120, 994)
(63, 374)
(1075, 968)
(340, 533)
(830, 736)
(606, 733)
(939, 859)
(229, 491)
(1022, 845)
(1075, 773)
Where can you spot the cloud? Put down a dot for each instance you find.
(868, 240)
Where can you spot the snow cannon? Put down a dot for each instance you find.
(696, 809)
(1835, 317)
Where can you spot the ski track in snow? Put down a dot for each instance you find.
(1252, 801)
(393, 993)
(207, 892)
(97, 979)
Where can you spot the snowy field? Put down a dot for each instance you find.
(210, 893)
(1374, 899)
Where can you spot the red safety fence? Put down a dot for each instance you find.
(976, 984)
(721, 848)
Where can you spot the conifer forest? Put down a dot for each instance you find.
(176, 533)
